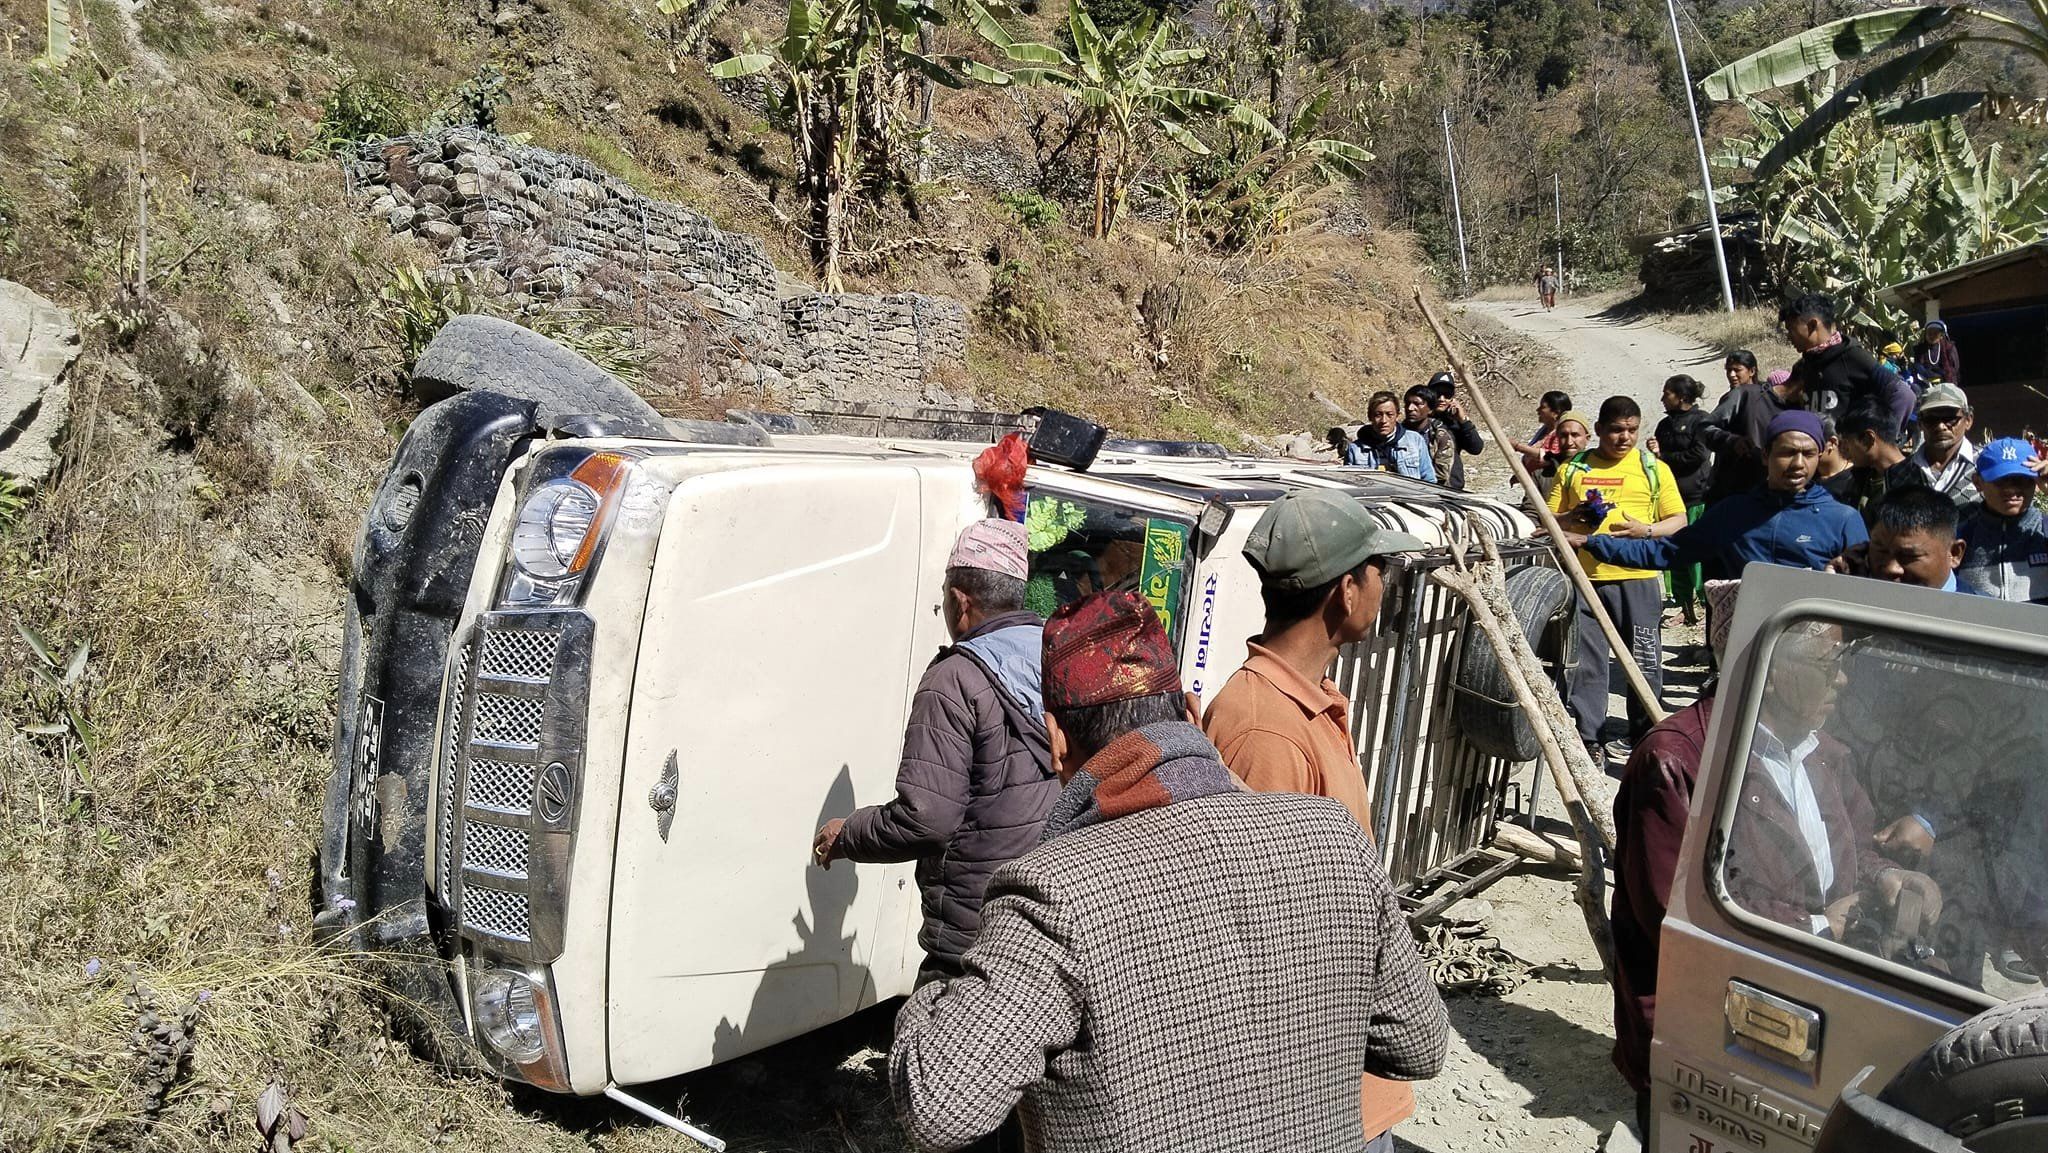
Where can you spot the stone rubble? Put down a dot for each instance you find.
(558, 228)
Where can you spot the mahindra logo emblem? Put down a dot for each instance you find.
(553, 793)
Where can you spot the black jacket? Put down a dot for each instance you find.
(972, 791)
(1837, 376)
(1735, 433)
(1680, 445)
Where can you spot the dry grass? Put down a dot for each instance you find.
(1755, 329)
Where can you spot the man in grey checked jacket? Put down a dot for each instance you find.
(1180, 964)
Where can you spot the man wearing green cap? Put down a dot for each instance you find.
(1280, 723)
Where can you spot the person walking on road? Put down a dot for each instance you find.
(1384, 443)
(976, 777)
(1677, 443)
(1602, 487)
(1279, 722)
(1180, 958)
(1546, 287)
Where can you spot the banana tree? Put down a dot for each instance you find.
(1919, 42)
(837, 73)
(1259, 194)
(1121, 81)
(1875, 204)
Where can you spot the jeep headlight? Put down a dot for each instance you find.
(561, 526)
(553, 525)
(511, 1015)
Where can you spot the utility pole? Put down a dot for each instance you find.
(1457, 208)
(1557, 205)
(1706, 175)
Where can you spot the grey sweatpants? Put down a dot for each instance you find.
(1637, 607)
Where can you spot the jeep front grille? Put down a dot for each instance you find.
(451, 762)
(503, 785)
(520, 656)
(502, 720)
(511, 778)
(497, 913)
(494, 849)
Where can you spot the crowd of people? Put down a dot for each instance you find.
(1796, 467)
(1841, 463)
(1110, 872)
(1424, 434)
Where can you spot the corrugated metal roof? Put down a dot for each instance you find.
(1905, 294)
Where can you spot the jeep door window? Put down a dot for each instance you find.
(1082, 545)
(1894, 802)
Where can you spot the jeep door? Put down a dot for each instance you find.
(792, 609)
(1866, 862)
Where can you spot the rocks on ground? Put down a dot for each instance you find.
(38, 344)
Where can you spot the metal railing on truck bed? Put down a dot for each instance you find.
(1436, 797)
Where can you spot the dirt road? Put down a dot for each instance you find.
(1603, 354)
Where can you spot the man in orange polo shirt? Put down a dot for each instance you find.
(1280, 724)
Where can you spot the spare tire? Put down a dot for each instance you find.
(1485, 708)
(1985, 1081)
(486, 354)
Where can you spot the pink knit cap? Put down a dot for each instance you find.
(1000, 546)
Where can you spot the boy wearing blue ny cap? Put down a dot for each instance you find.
(2006, 540)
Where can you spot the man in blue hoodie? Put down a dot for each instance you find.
(1785, 521)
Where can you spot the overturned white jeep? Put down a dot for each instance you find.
(606, 673)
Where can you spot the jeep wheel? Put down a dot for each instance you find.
(1985, 1081)
(1485, 707)
(486, 354)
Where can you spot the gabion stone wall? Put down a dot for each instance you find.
(557, 227)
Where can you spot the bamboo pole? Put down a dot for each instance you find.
(1568, 559)
(1483, 588)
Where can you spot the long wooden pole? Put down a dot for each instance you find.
(1568, 559)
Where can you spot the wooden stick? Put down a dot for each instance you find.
(1568, 559)
(1483, 587)
(1533, 846)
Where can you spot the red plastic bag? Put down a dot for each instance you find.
(999, 472)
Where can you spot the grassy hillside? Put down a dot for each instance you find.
(232, 414)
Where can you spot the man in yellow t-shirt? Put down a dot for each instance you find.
(1607, 486)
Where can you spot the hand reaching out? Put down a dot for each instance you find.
(825, 846)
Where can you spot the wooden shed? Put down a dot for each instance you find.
(1997, 313)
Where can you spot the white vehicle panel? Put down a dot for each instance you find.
(778, 657)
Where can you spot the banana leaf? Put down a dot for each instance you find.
(1930, 108)
(1048, 55)
(933, 70)
(1181, 136)
(742, 65)
(57, 45)
(1878, 84)
(1795, 58)
(982, 18)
